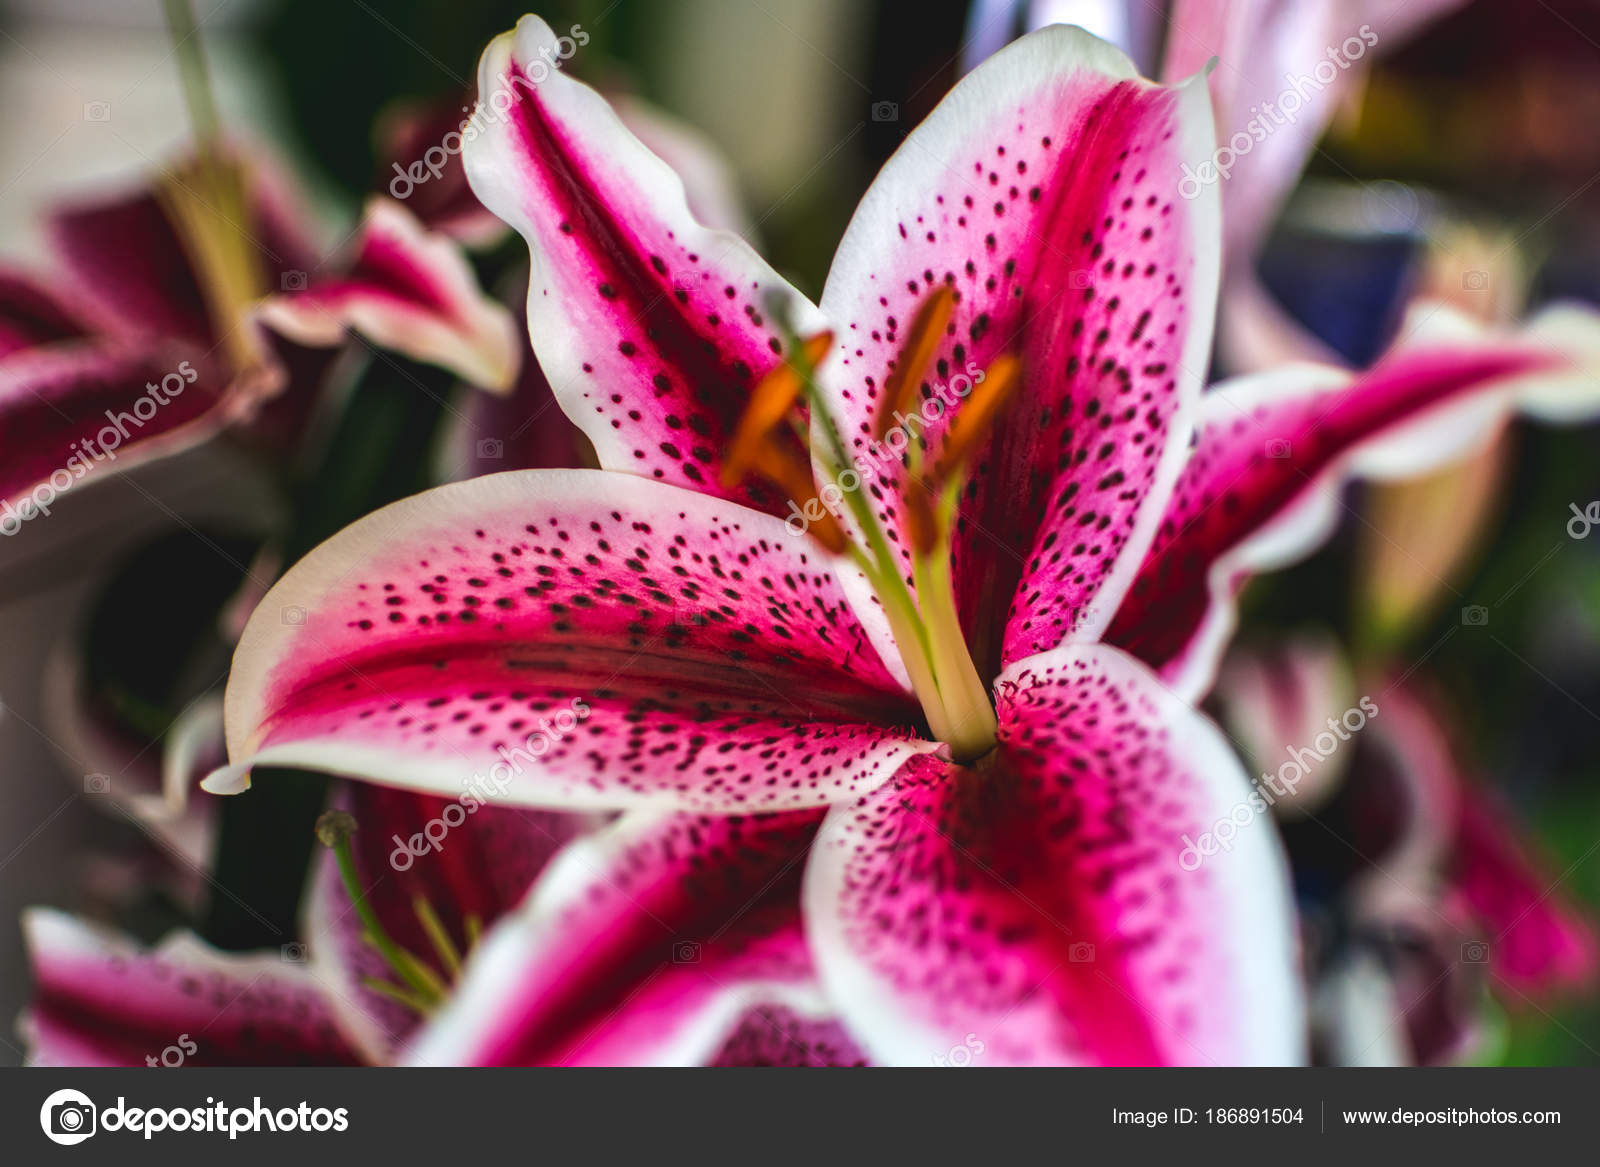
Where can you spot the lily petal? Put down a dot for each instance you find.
(475, 863)
(32, 313)
(149, 785)
(1261, 489)
(101, 1000)
(774, 1035)
(1463, 845)
(1278, 700)
(1041, 907)
(649, 943)
(1539, 940)
(1045, 191)
(663, 631)
(76, 413)
(651, 327)
(408, 290)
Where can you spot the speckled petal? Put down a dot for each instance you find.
(570, 639)
(649, 943)
(1261, 489)
(1044, 908)
(651, 327)
(773, 1035)
(101, 1000)
(408, 290)
(1045, 190)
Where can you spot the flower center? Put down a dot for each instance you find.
(922, 608)
(417, 984)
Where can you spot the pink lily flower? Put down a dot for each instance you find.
(372, 977)
(149, 341)
(1026, 298)
(102, 1000)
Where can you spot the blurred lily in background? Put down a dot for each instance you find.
(1424, 903)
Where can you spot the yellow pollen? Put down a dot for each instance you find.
(922, 341)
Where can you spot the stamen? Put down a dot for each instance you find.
(791, 472)
(333, 830)
(922, 341)
(204, 201)
(925, 628)
(440, 939)
(770, 402)
(922, 523)
(977, 415)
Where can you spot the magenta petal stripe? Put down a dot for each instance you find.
(76, 413)
(100, 1000)
(32, 313)
(571, 639)
(1040, 909)
(407, 290)
(654, 942)
(1260, 489)
(1045, 191)
(651, 327)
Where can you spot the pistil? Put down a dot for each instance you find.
(421, 988)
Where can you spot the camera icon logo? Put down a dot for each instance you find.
(686, 952)
(1278, 448)
(293, 953)
(97, 783)
(293, 281)
(1080, 278)
(1475, 615)
(294, 614)
(67, 1117)
(1475, 281)
(885, 111)
(491, 448)
(1081, 953)
(97, 111)
(1474, 952)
